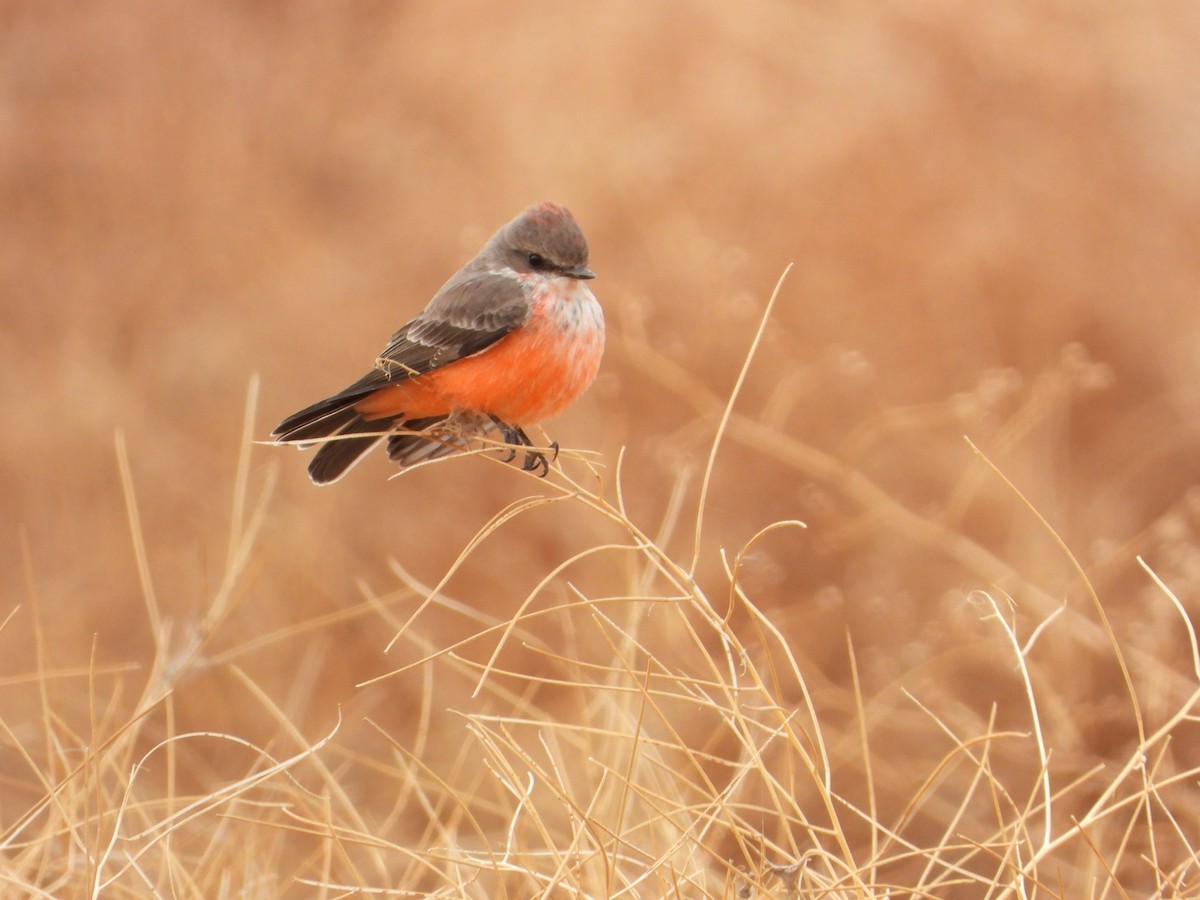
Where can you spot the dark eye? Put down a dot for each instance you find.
(536, 261)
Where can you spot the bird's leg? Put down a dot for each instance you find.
(515, 437)
(535, 459)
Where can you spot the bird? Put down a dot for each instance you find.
(512, 339)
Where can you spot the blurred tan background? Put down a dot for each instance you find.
(994, 215)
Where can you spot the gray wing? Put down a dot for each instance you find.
(472, 311)
(469, 314)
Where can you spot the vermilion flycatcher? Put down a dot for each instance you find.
(512, 339)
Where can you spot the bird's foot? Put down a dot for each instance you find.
(515, 437)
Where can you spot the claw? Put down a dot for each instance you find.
(515, 437)
(534, 461)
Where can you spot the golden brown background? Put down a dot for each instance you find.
(994, 215)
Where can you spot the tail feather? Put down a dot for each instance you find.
(330, 418)
(440, 436)
(407, 449)
(422, 439)
(335, 458)
(298, 429)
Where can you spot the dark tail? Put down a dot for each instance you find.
(406, 448)
(336, 418)
(332, 418)
(336, 457)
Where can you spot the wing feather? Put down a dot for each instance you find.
(472, 311)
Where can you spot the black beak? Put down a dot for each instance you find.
(580, 272)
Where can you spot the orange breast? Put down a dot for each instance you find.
(525, 377)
